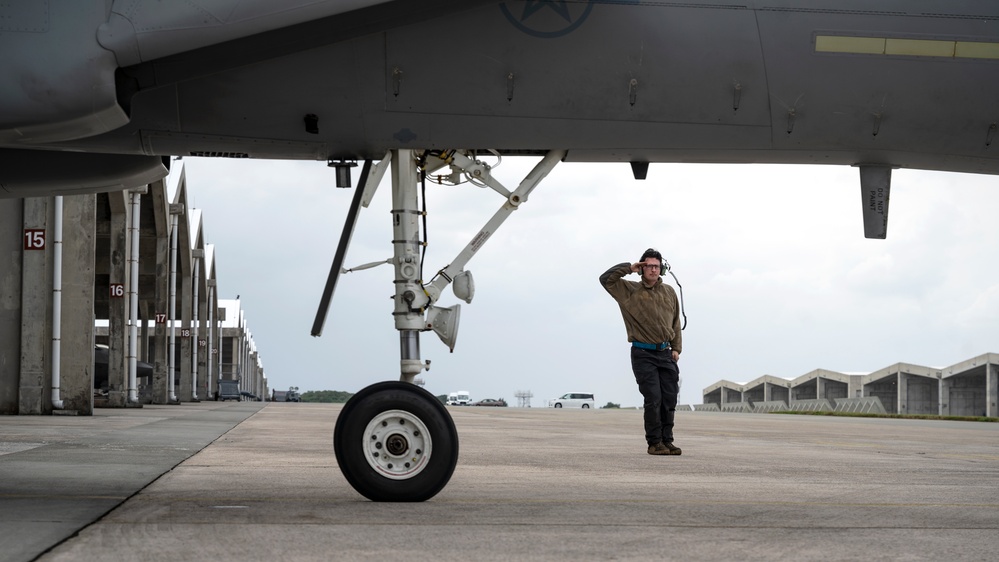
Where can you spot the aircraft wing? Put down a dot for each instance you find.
(890, 83)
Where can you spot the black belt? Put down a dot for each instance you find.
(665, 346)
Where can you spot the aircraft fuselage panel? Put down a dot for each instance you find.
(896, 83)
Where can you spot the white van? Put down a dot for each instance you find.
(573, 400)
(460, 398)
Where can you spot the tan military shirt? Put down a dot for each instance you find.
(651, 314)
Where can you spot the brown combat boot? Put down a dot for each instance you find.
(658, 449)
(671, 449)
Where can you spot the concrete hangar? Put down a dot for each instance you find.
(968, 388)
(102, 296)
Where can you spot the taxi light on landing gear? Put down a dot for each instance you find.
(464, 286)
(444, 323)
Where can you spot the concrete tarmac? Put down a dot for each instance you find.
(531, 484)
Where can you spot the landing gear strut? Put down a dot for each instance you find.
(395, 441)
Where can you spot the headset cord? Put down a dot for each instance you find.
(684, 314)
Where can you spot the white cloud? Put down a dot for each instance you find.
(983, 311)
(879, 268)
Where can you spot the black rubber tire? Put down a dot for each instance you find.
(349, 441)
(586, 406)
(558, 404)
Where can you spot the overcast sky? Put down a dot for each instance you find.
(777, 276)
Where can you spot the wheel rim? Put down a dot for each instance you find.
(397, 444)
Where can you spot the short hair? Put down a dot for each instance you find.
(652, 253)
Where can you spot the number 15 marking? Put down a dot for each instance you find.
(34, 238)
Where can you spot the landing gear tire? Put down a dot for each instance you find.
(395, 441)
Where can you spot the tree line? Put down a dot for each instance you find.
(326, 396)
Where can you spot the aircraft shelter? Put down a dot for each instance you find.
(109, 277)
(968, 388)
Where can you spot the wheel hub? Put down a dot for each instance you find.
(397, 444)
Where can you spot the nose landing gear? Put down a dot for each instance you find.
(395, 441)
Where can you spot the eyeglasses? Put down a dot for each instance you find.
(652, 265)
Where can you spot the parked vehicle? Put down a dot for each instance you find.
(228, 390)
(573, 400)
(460, 398)
(143, 370)
(285, 396)
(490, 402)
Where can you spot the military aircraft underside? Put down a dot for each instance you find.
(99, 95)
